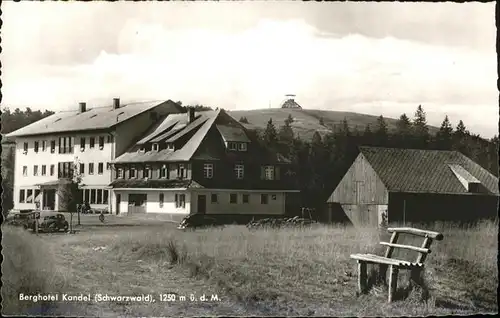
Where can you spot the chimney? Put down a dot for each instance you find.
(116, 103)
(82, 107)
(191, 114)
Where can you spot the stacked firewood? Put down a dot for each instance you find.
(280, 222)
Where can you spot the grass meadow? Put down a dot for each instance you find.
(264, 272)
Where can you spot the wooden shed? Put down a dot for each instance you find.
(385, 185)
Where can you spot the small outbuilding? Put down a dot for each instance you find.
(388, 185)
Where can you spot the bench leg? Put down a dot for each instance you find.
(382, 274)
(416, 277)
(362, 277)
(393, 281)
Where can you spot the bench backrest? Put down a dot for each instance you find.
(423, 250)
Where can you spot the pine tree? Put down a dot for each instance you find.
(382, 132)
(270, 135)
(444, 135)
(321, 121)
(289, 120)
(420, 128)
(243, 120)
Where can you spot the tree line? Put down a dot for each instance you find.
(322, 162)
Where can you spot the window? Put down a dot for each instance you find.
(25, 171)
(65, 144)
(99, 196)
(161, 200)
(91, 142)
(164, 171)
(105, 196)
(35, 170)
(101, 142)
(44, 170)
(29, 196)
(239, 170)
(65, 169)
(264, 199)
(22, 197)
(208, 170)
(91, 168)
(268, 173)
(133, 173)
(233, 198)
(52, 146)
(242, 146)
(180, 200)
(147, 172)
(181, 171)
(155, 147)
(43, 145)
(119, 173)
(86, 195)
(232, 146)
(273, 197)
(82, 144)
(110, 138)
(100, 168)
(36, 146)
(92, 196)
(52, 168)
(108, 166)
(246, 198)
(214, 198)
(82, 168)
(170, 146)
(25, 148)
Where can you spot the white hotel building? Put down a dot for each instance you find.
(47, 150)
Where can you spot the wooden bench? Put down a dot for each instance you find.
(395, 265)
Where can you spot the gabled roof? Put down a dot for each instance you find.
(93, 119)
(230, 133)
(425, 171)
(203, 123)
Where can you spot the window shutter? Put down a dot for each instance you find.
(277, 173)
(176, 200)
(262, 172)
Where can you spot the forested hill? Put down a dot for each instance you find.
(19, 118)
(308, 121)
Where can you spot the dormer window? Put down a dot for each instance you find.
(469, 182)
(232, 146)
(156, 147)
(119, 173)
(170, 146)
(242, 146)
(142, 149)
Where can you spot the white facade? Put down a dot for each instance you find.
(217, 201)
(33, 168)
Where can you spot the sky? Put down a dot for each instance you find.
(374, 58)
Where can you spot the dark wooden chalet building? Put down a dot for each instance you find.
(205, 163)
(409, 185)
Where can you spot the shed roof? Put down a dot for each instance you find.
(230, 133)
(425, 171)
(93, 119)
(167, 124)
(202, 124)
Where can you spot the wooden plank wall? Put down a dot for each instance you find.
(360, 185)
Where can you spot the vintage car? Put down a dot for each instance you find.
(18, 220)
(53, 222)
(196, 221)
